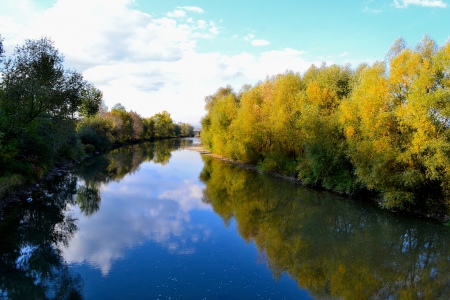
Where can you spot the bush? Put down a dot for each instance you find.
(95, 131)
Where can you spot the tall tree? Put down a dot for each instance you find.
(36, 85)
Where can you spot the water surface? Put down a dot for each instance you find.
(157, 221)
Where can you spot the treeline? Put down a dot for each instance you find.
(382, 128)
(49, 114)
(107, 128)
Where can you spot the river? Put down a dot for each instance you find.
(158, 221)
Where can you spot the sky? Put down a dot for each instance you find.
(169, 55)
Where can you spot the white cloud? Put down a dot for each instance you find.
(177, 13)
(192, 8)
(260, 43)
(201, 24)
(372, 10)
(148, 64)
(143, 207)
(249, 37)
(427, 3)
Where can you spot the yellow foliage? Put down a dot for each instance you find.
(384, 127)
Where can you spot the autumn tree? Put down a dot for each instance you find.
(123, 123)
(396, 125)
(162, 124)
(138, 125)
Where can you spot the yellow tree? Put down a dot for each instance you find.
(396, 125)
(324, 160)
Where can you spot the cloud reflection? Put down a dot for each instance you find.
(155, 203)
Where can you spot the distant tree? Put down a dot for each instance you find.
(118, 106)
(149, 128)
(2, 50)
(103, 110)
(125, 132)
(187, 129)
(91, 101)
(138, 126)
(163, 124)
(176, 129)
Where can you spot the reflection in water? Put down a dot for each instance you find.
(148, 206)
(332, 247)
(31, 266)
(34, 236)
(98, 171)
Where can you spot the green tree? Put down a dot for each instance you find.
(187, 129)
(39, 100)
(149, 128)
(91, 101)
(176, 129)
(163, 124)
(36, 85)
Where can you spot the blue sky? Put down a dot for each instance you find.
(168, 55)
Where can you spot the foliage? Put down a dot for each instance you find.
(91, 101)
(162, 124)
(382, 128)
(95, 131)
(49, 114)
(38, 103)
(324, 246)
(186, 129)
(36, 86)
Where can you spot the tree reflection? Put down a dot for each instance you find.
(31, 266)
(32, 234)
(332, 246)
(116, 164)
(88, 199)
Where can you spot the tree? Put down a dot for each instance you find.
(163, 124)
(124, 123)
(2, 50)
(176, 129)
(187, 129)
(91, 101)
(149, 128)
(39, 100)
(36, 85)
(138, 126)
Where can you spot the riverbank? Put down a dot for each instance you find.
(441, 218)
(20, 190)
(199, 148)
(26, 191)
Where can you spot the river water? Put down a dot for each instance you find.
(158, 221)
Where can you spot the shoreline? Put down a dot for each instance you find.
(27, 190)
(441, 218)
(23, 191)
